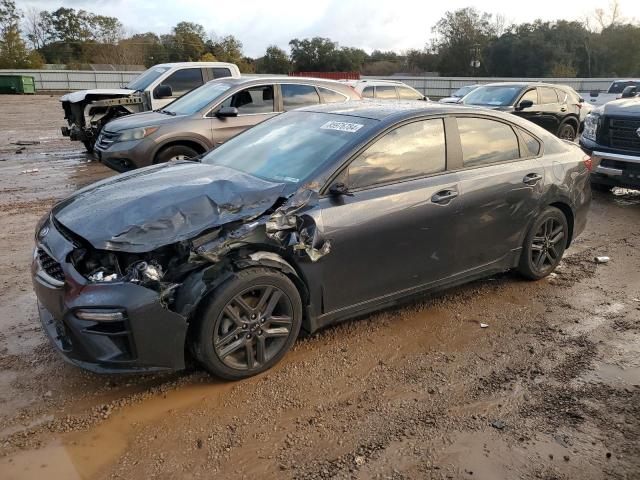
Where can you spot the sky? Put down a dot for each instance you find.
(368, 24)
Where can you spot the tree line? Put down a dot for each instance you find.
(465, 42)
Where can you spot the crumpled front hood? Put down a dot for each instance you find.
(80, 95)
(145, 209)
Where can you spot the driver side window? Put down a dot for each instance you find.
(183, 81)
(252, 100)
(531, 95)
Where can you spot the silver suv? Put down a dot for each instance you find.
(208, 116)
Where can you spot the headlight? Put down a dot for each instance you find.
(591, 124)
(136, 133)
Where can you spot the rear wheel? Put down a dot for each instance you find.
(544, 245)
(248, 324)
(567, 132)
(175, 152)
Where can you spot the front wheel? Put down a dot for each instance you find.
(248, 324)
(544, 244)
(175, 152)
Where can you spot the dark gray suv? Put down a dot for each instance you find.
(207, 117)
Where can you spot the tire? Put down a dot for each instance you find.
(236, 337)
(89, 144)
(567, 131)
(175, 152)
(600, 187)
(547, 237)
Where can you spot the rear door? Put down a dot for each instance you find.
(396, 232)
(255, 104)
(550, 109)
(501, 183)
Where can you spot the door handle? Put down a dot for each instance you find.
(444, 196)
(531, 178)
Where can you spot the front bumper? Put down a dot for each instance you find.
(611, 167)
(148, 338)
(125, 156)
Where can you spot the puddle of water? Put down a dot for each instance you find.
(83, 455)
(51, 462)
(615, 375)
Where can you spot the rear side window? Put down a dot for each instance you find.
(533, 145)
(367, 92)
(386, 92)
(548, 95)
(409, 151)
(486, 141)
(562, 95)
(219, 72)
(184, 80)
(252, 100)
(329, 96)
(296, 96)
(408, 94)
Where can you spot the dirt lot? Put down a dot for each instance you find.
(549, 390)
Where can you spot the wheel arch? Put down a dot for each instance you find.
(197, 145)
(567, 211)
(573, 120)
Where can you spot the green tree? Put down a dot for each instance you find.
(275, 60)
(322, 55)
(13, 51)
(186, 42)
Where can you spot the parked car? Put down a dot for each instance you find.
(209, 116)
(87, 111)
(612, 137)
(615, 91)
(314, 216)
(385, 90)
(457, 96)
(555, 108)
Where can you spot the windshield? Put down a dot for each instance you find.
(197, 99)
(290, 147)
(146, 79)
(618, 87)
(497, 95)
(462, 91)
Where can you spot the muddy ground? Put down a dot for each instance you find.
(549, 390)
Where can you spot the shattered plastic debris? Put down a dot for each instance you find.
(484, 325)
(26, 142)
(31, 170)
(498, 424)
(601, 259)
(100, 276)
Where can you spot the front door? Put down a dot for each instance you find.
(255, 104)
(181, 81)
(397, 232)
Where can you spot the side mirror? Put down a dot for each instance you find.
(629, 91)
(426, 99)
(225, 112)
(581, 100)
(163, 91)
(525, 104)
(339, 189)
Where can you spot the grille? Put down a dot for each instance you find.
(623, 133)
(50, 266)
(105, 139)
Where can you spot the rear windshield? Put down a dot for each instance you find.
(290, 147)
(498, 96)
(146, 79)
(618, 87)
(198, 98)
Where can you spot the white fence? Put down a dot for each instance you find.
(66, 80)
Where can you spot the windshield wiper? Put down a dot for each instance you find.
(167, 112)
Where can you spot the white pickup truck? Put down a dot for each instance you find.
(87, 111)
(616, 90)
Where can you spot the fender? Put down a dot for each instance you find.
(170, 139)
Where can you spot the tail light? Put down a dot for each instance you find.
(587, 162)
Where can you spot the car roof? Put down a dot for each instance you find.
(376, 81)
(196, 64)
(389, 109)
(244, 79)
(524, 84)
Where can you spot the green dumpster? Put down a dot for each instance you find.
(17, 84)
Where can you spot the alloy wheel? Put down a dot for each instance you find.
(567, 133)
(546, 245)
(179, 157)
(253, 327)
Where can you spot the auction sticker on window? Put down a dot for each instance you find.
(342, 126)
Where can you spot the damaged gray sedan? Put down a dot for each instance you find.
(312, 217)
